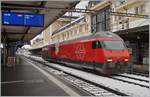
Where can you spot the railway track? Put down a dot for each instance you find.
(114, 88)
(92, 88)
(86, 86)
(140, 74)
(140, 78)
(131, 81)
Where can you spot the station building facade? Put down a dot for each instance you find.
(45, 37)
(135, 31)
(75, 29)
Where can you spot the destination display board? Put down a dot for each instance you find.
(22, 19)
(34, 20)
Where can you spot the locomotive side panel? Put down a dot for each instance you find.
(98, 51)
(52, 51)
(89, 52)
(99, 56)
(66, 52)
(89, 56)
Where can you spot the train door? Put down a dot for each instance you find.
(93, 45)
(90, 55)
(96, 54)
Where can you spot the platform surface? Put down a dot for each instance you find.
(25, 80)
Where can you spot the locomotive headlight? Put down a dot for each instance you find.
(126, 59)
(109, 60)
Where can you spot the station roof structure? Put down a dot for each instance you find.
(134, 33)
(51, 9)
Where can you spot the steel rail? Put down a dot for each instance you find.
(101, 86)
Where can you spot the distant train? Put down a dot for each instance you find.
(104, 52)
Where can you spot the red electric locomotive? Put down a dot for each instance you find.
(104, 52)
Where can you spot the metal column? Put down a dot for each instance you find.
(4, 46)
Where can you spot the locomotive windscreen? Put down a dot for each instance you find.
(114, 45)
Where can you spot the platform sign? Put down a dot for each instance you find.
(36, 20)
(12, 19)
(22, 19)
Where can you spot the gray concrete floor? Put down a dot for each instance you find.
(25, 80)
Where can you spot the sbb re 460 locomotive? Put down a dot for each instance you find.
(104, 52)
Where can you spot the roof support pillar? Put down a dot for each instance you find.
(4, 57)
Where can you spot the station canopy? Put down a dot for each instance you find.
(52, 10)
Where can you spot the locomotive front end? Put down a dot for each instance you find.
(116, 57)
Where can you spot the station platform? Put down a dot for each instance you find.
(26, 80)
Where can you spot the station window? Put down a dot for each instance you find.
(75, 31)
(67, 34)
(86, 27)
(100, 20)
(142, 8)
(120, 18)
(136, 10)
(80, 29)
(122, 1)
(70, 33)
(96, 44)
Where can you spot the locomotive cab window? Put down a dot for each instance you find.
(114, 45)
(96, 44)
